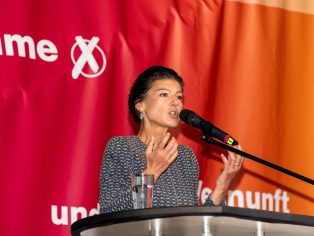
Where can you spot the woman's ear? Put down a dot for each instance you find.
(139, 106)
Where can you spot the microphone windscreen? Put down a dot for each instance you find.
(190, 118)
(184, 115)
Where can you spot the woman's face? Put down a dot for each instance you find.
(162, 103)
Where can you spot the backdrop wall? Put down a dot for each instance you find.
(66, 68)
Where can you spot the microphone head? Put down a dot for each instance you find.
(190, 118)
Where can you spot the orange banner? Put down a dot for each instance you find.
(261, 92)
(66, 70)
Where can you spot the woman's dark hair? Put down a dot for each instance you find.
(145, 81)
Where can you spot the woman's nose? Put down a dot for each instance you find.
(174, 101)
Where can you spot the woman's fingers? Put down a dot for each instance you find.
(173, 156)
(164, 142)
(234, 160)
(150, 146)
(167, 147)
(159, 156)
(173, 151)
(224, 159)
(171, 145)
(238, 159)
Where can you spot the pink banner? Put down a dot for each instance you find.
(66, 70)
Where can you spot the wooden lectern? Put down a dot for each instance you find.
(199, 221)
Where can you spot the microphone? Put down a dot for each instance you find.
(208, 128)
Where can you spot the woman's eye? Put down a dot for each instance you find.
(180, 97)
(163, 95)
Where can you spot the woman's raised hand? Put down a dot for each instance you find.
(232, 166)
(159, 156)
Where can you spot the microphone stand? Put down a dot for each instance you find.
(209, 139)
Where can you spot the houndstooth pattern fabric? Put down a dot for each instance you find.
(177, 186)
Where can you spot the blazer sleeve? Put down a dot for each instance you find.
(115, 182)
(209, 200)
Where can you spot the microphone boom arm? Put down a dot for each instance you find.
(209, 139)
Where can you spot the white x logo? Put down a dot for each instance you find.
(87, 57)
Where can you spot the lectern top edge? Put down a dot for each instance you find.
(154, 213)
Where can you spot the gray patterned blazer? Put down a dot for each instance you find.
(177, 186)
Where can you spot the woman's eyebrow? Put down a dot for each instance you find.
(180, 91)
